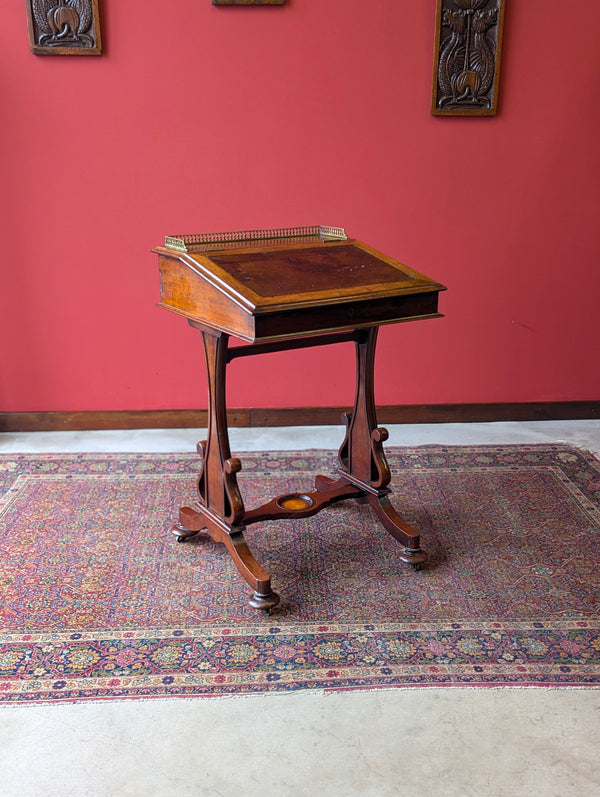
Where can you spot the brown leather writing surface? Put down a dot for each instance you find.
(303, 270)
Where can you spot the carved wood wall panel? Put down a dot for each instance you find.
(466, 65)
(64, 27)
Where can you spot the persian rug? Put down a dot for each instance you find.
(99, 601)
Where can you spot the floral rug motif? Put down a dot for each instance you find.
(99, 601)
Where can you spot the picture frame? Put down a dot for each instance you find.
(64, 27)
(467, 57)
(248, 2)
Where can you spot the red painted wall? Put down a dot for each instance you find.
(200, 118)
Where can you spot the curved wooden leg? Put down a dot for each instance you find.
(361, 458)
(220, 509)
(263, 597)
(411, 553)
(194, 519)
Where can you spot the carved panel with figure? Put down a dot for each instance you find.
(466, 67)
(64, 27)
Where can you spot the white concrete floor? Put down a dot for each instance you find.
(456, 742)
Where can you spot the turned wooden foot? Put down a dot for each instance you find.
(266, 602)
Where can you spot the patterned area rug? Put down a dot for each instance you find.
(99, 601)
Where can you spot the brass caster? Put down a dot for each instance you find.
(415, 558)
(181, 533)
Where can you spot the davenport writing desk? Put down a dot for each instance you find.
(281, 290)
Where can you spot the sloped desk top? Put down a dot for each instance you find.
(276, 288)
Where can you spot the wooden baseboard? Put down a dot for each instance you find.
(297, 416)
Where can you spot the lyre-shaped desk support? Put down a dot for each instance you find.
(362, 470)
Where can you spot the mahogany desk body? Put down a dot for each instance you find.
(279, 293)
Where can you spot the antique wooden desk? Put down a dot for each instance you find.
(280, 290)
